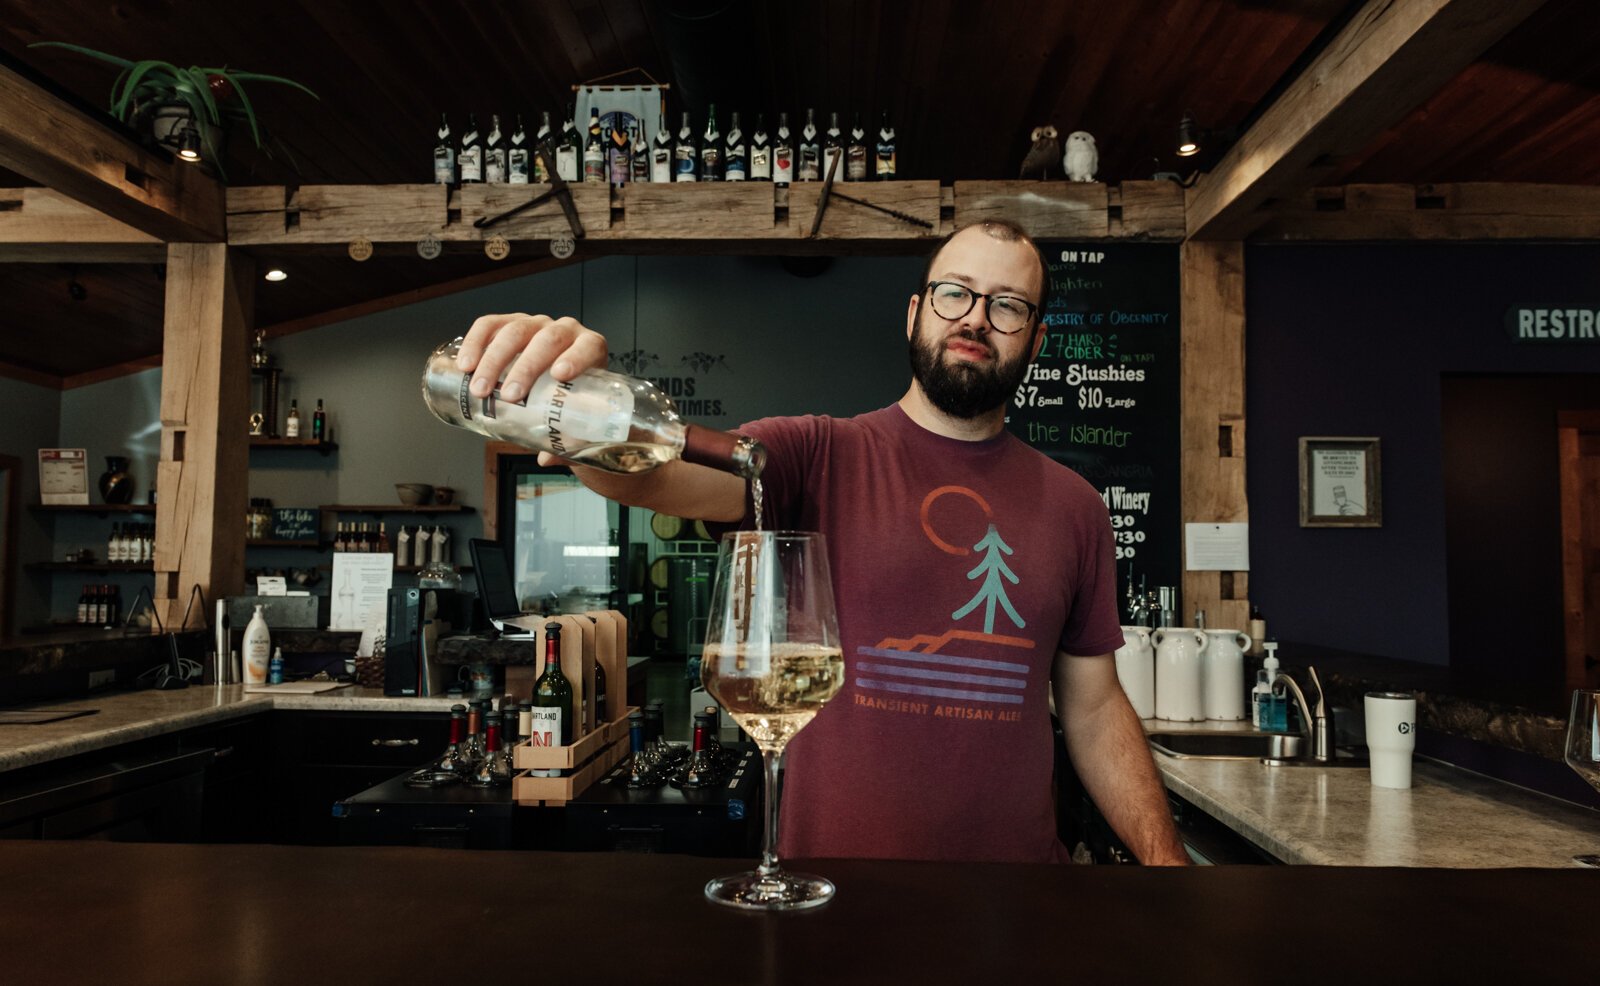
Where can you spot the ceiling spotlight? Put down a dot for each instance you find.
(1188, 136)
(277, 274)
(189, 145)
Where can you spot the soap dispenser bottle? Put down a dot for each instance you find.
(257, 649)
(1264, 706)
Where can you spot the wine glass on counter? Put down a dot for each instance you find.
(773, 659)
(1583, 747)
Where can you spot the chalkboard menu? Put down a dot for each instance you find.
(1103, 396)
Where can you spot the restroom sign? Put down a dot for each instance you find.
(1551, 323)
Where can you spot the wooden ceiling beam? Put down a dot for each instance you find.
(1387, 60)
(60, 146)
(41, 225)
(1489, 211)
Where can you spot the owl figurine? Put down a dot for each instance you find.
(1082, 159)
(1042, 155)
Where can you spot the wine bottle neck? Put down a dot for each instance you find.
(725, 450)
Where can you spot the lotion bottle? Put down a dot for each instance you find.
(257, 649)
(1261, 695)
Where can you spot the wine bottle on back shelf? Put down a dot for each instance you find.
(782, 153)
(594, 151)
(711, 148)
(444, 155)
(570, 150)
(736, 165)
(685, 157)
(471, 157)
(494, 154)
(641, 153)
(855, 157)
(539, 175)
(832, 150)
(760, 151)
(517, 170)
(885, 151)
(810, 151)
(661, 154)
(601, 419)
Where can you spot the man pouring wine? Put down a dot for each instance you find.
(974, 579)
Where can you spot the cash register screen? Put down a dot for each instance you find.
(496, 589)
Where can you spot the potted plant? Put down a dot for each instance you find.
(186, 110)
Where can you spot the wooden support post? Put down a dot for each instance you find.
(1213, 440)
(201, 480)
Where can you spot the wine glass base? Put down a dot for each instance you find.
(1580, 860)
(777, 891)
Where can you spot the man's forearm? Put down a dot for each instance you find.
(1109, 751)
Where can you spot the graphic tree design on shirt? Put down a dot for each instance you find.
(993, 568)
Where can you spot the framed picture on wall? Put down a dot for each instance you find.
(1340, 483)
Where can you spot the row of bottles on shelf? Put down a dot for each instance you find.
(319, 421)
(131, 544)
(621, 152)
(419, 545)
(100, 605)
(705, 763)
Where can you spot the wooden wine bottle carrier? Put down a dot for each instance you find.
(584, 642)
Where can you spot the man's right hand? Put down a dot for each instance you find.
(529, 345)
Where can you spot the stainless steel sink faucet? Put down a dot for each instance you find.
(1318, 727)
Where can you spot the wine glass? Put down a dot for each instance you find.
(773, 659)
(1583, 747)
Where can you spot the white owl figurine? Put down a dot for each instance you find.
(1082, 160)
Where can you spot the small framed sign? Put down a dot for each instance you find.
(63, 475)
(296, 524)
(1340, 483)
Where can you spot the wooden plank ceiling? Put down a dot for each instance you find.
(963, 83)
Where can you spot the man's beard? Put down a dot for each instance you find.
(963, 390)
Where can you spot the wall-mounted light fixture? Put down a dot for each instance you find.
(1188, 136)
(276, 274)
(189, 145)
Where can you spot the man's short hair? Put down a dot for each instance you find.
(1006, 231)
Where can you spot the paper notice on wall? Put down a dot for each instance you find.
(63, 475)
(1216, 547)
(360, 591)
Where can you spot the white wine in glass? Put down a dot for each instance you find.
(1583, 747)
(772, 658)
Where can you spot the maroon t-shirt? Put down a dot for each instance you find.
(960, 569)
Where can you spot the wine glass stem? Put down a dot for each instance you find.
(772, 760)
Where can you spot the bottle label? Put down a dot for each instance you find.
(808, 162)
(661, 164)
(471, 165)
(519, 166)
(562, 417)
(544, 726)
(444, 165)
(736, 165)
(760, 163)
(291, 427)
(683, 156)
(594, 165)
(567, 162)
(885, 160)
(829, 156)
(855, 166)
(494, 165)
(783, 164)
(710, 161)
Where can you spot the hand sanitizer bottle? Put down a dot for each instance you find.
(1261, 695)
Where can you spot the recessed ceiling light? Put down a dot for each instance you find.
(276, 274)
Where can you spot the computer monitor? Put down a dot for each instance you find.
(497, 590)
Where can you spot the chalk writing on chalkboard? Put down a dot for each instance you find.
(295, 524)
(1103, 396)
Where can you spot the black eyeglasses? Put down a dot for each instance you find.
(1006, 312)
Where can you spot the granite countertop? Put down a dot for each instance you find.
(1334, 816)
(123, 717)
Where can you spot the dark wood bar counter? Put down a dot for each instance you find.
(126, 913)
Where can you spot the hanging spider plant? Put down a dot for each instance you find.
(211, 97)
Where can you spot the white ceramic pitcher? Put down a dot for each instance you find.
(1179, 674)
(1136, 670)
(1224, 673)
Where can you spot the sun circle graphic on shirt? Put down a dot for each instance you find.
(927, 525)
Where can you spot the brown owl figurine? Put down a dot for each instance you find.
(1044, 155)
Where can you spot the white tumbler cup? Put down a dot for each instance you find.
(1391, 737)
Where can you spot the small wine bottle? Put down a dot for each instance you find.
(810, 150)
(783, 154)
(494, 154)
(760, 151)
(855, 158)
(711, 148)
(619, 151)
(291, 424)
(539, 140)
(444, 155)
(517, 170)
(661, 154)
(832, 150)
(685, 158)
(570, 149)
(885, 157)
(319, 423)
(735, 164)
(594, 151)
(640, 153)
(471, 157)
